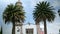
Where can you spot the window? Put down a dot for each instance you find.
(18, 29)
(29, 31)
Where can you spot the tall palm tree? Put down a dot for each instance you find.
(43, 11)
(13, 14)
(59, 12)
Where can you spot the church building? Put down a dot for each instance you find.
(21, 28)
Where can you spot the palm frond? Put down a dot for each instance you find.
(13, 13)
(43, 10)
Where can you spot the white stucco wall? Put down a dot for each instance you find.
(24, 27)
(16, 28)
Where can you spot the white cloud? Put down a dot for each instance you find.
(56, 3)
(34, 2)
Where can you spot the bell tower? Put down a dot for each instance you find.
(19, 3)
(18, 26)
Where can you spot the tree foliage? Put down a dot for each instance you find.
(42, 11)
(13, 13)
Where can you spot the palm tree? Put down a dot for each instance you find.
(59, 12)
(13, 14)
(43, 11)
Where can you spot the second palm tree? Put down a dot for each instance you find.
(43, 11)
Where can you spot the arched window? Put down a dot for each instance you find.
(18, 29)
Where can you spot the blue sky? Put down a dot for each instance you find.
(28, 8)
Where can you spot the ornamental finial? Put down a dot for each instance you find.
(18, 0)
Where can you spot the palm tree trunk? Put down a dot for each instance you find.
(45, 28)
(38, 28)
(13, 29)
(1, 29)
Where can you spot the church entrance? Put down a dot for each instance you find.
(29, 31)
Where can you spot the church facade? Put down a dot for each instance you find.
(27, 29)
